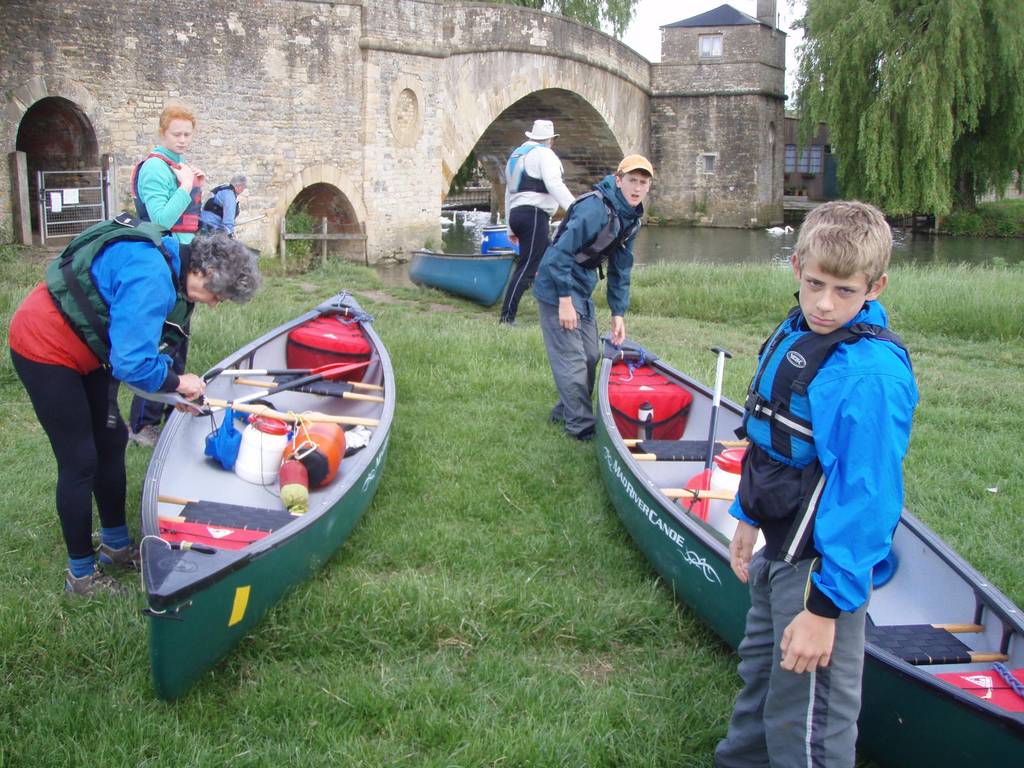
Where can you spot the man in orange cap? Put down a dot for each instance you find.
(595, 236)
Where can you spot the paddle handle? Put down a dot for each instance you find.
(291, 417)
(697, 495)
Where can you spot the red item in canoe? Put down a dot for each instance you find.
(990, 686)
(219, 536)
(628, 394)
(328, 340)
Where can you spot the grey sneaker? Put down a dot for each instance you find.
(96, 583)
(146, 437)
(126, 557)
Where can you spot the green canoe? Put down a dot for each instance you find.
(915, 710)
(247, 550)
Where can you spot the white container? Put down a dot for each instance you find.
(261, 450)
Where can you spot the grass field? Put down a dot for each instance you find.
(489, 610)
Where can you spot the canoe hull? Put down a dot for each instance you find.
(479, 278)
(908, 716)
(211, 622)
(200, 605)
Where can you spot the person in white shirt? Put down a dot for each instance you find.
(534, 190)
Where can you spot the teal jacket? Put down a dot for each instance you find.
(559, 275)
(158, 187)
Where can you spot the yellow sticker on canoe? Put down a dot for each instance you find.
(238, 608)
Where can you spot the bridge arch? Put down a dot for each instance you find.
(599, 113)
(330, 193)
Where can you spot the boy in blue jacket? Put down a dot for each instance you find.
(597, 233)
(828, 416)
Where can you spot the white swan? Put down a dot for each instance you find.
(787, 230)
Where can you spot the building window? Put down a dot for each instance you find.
(709, 162)
(810, 159)
(710, 46)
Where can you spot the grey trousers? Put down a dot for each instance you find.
(783, 719)
(573, 357)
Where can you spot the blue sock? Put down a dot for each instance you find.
(115, 538)
(82, 566)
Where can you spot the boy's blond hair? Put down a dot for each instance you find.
(846, 237)
(175, 111)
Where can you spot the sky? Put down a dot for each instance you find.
(644, 35)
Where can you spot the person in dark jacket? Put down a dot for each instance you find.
(71, 386)
(828, 416)
(221, 210)
(595, 236)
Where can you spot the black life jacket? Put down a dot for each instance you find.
(216, 208)
(189, 220)
(612, 235)
(764, 476)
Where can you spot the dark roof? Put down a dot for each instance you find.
(722, 16)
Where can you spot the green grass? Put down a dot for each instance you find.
(489, 610)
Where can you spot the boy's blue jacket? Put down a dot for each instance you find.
(559, 274)
(860, 403)
(133, 278)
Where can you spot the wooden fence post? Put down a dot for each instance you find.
(282, 248)
(323, 243)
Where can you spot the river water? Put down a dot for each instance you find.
(654, 245)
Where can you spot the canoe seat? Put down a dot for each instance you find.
(235, 515)
(921, 644)
(673, 450)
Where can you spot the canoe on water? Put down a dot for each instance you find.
(943, 677)
(477, 277)
(220, 547)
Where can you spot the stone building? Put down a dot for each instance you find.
(362, 111)
(716, 116)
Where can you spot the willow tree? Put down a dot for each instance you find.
(616, 14)
(924, 99)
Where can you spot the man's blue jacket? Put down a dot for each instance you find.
(559, 275)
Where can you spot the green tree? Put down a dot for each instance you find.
(597, 13)
(924, 99)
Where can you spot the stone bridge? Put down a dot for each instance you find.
(360, 110)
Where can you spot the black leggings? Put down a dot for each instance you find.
(90, 456)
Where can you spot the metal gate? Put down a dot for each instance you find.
(71, 201)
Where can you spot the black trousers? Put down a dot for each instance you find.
(530, 225)
(90, 456)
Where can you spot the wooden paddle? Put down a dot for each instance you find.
(292, 372)
(291, 417)
(326, 374)
(342, 392)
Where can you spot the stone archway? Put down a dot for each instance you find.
(324, 192)
(55, 135)
(32, 113)
(586, 145)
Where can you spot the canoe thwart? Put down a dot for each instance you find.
(921, 644)
(694, 494)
